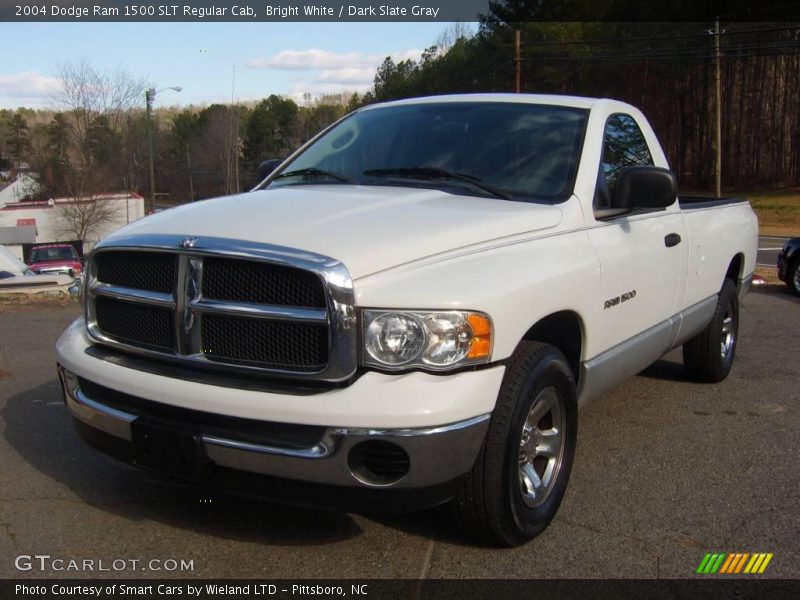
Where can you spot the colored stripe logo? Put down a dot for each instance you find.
(734, 563)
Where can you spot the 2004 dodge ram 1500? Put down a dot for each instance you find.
(409, 310)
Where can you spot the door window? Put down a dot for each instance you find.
(623, 146)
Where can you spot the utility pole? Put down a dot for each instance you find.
(234, 135)
(517, 60)
(189, 166)
(718, 115)
(149, 98)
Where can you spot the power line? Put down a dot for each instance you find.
(668, 53)
(629, 58)
(674, 37)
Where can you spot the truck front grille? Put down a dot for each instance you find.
(152, 271)
(260, 283)
(238, 311)
(138, 324)
(271, 344)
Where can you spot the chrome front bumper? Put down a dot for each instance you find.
(57, 271)
(436, 455)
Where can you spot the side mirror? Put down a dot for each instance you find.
(644, 187)
(267, 167)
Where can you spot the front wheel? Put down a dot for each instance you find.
(793, 279)
(709, 355)
(521, 473)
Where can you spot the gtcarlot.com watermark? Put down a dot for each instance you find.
(45, 562)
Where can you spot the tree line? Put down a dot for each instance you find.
(668, 70)
(96, 140)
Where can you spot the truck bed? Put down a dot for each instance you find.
(690, 202)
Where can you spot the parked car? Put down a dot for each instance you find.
(410, 309)
(789, 264)
(55, 258)
(17, 278)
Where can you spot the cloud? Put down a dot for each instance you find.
(27, 88)
(315, 89)
(314, 59)
(414, 54)
(330, 72)
(311, 59)
(348, 75)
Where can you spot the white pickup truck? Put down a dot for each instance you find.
(409, 310)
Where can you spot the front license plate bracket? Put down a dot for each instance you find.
(169, 450)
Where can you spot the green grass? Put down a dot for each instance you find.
(28, 302)
(778, 212)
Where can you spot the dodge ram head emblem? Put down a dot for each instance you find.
(189, 242)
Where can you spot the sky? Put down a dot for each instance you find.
(208, 59)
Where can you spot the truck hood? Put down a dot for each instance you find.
(10, 262)
(368, 228)
(35, 283)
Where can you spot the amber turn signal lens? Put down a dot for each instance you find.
(481, 336)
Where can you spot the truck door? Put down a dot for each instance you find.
(640, 252)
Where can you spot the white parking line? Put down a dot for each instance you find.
(760, 249)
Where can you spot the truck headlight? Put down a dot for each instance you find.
(434, 340)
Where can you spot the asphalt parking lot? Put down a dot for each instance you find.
(666, 471)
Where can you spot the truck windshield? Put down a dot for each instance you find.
(59, 253)
(505, 150)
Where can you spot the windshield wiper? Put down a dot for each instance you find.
(312, 172)
(436, 173)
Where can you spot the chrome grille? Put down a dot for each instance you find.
(224, 303)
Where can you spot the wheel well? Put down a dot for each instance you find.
(564, 331)
(735, 269)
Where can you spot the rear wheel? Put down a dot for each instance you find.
(521, 473)
(709, 355)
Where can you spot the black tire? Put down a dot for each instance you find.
(793, 277)
(708, 357)
(493, 503)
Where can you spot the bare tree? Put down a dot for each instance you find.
(85, 92)
(453, 33)
(79, 218)
(91, 98)
(222, 143)
(85, 210)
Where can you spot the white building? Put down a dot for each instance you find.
(19, 189)
(52, 221)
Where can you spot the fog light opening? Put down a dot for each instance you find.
(378, 463)
(70, 380)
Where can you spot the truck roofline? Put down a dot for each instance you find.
(556, 99)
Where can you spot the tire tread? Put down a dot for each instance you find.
(701, 353)
(790, 276)
(480, 501)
